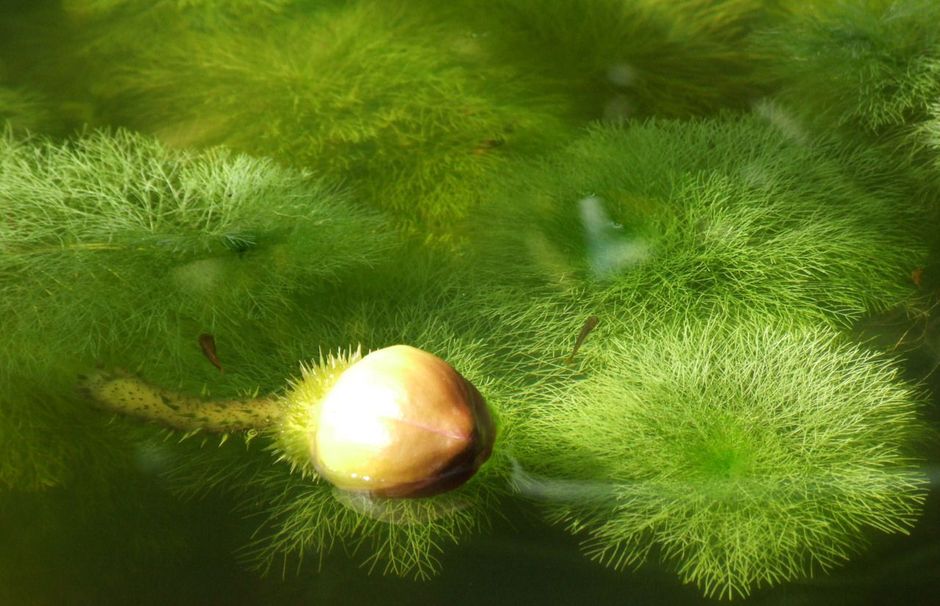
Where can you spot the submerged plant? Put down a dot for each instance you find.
(115, 250)
(94, 8)
(49, 439)
(23, 110)
(741, 452)
(375, 94)
(649, 310)
(113, 238)
(868, 70)
(700, 215)
(867, 64)
(627, 59)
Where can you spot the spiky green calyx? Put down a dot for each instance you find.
(302, 402)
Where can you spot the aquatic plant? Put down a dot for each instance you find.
(24, 110)
(398, 106)
(628, 59)
(931, 129)
(112, 238)
(741, 452)
(697, 215)
(128, 252)
(84, 9)
(868, 70)
(661, 311)
(113, 248)
(50, 438)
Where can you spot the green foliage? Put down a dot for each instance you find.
(931, 128)
(401, 108)
(619, 59)
(714, 418)
(23, 110)
(403, 537)
(112, 238)
(696, 215)
(97, 8)
(114, 249)
(869, 69)
(300, 518)
(742, 452)
(32, 456)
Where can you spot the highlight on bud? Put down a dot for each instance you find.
(400, 422)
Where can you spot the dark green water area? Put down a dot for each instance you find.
(686, 251)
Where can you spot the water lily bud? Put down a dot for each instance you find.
(401, 422)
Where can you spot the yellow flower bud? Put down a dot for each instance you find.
(400, 422)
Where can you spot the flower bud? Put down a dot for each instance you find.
(401, 422)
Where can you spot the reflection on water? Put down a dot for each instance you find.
(609, 250)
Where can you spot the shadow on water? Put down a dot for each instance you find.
(155, 550)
